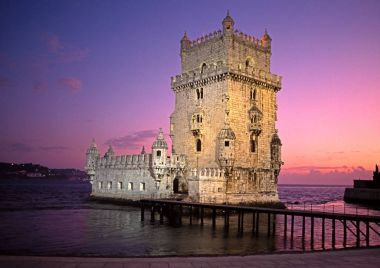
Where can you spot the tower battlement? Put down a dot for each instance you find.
(211, 72)
(239, 36)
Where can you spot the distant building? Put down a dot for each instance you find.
(225, 147)
(365, 191)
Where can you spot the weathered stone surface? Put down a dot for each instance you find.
(225, 145)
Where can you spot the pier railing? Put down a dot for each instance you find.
(363, 229)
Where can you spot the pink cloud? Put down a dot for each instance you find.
(63, 52)
(342, 175)
(72, 84)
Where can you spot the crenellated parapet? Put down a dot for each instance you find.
(238, 36)
(220, 71)
(135, 161)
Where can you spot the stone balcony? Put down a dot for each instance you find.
(255, 128)
(196, 127)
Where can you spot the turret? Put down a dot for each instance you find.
(276, 153)
(226, 148)
(228, 24)
(159, 154)
(92, 155)
(266, 41)
(185, 42)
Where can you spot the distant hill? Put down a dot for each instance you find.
(29, 170)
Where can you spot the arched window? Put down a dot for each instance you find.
(203, 69)
(199, 145)
(247, 63)
(199, 93)
(253, 144)
(253, 94)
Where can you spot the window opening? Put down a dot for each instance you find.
(199, 145)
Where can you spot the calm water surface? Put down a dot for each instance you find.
(54, 217)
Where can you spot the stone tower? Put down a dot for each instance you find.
(92, 156)
(224, 117)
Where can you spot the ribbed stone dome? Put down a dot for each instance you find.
(254, 109)
(227, 133)
(160, 142)
(93, 149)
(276, 139)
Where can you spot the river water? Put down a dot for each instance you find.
(55, 217)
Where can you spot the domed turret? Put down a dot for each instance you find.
(276, 153)
(92, 155)
(226, 148)
(228, 23)
(160, 142)
(159, 155)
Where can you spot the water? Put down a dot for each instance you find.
(54, 217)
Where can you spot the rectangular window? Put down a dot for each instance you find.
(109, 185)
(158, 153)
(120, 185)
(100, 185)
(130, 186)
(142, 186)
(226, 143)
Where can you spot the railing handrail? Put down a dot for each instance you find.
(315, 214)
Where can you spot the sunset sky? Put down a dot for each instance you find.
(71, 71)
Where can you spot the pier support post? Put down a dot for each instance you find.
(161, 214)
(226, 219)
(357, 233)
(292, 228)
(285, 226)
(242, 222)
(303, 232)
(202, 214)
(213, 218)
(239, 219)
(152, 213)
(142, 212)
(253, 222)
(312, 233)
(268, 231)
(344, 233)
(333, 234)
(191, 215)
(274, 225)
(257, 223)
(180, 215)
(367, 233)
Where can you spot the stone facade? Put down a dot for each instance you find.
(225, 145)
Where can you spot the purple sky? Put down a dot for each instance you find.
(71, 71)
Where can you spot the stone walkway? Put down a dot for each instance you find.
(360, 258)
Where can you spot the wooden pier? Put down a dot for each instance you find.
(359, 226)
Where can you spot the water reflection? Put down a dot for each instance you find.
(56, 218)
